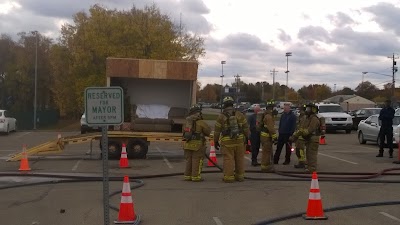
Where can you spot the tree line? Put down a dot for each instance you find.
(263, 91)
(76, 60)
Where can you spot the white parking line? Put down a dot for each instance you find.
(22, 134)
(76, 165)
(333, 157)
(390, 216)
(246, 157)
(165, 159)
(217, 221)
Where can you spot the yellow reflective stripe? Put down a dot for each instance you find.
(230, 178)
(265, 134)
(217, 124)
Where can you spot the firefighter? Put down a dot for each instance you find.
(268, 137)
(300, 143)
(195, 131)
(230, 131)
(311, 133)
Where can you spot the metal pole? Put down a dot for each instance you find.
(393, 71)
(35, 95)
(104, 153)
(222, 83)
(287, 74)
(262, 91)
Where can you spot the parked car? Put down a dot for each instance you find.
(7, 122)
(363, 114)
(335, 117)
(368, 130)
(85, 128)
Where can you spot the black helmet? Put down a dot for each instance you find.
(194, 109)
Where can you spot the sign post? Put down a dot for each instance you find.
(104, 106)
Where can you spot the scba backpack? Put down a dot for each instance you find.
(260, 120)
(190, 128)
(233, 127)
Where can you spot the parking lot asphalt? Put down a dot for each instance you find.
(169, 200)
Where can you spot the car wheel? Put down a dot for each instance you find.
(137, 148)
(361, 139)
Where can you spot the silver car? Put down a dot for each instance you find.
(368, 129)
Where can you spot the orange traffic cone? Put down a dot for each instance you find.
(126, 214)
(213, 156)
(24, 165)
(314, 208)
(123, 161)
(322, 140)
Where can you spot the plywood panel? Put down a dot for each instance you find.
(160, 69)
(155, 69)
(146, 69)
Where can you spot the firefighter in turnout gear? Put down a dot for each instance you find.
(195, 131)
(310, 131)
(230, 131)
(268, 137)
(300, 143)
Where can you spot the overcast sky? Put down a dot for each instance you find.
(332, 42)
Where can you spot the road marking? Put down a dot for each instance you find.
(217, 221)
(333, 157)
(390, 216)
(247, 158)
(23, 134)
(165, 159)
(76, 165)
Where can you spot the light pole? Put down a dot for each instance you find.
(273, 83)
(222, 82)
(287, 74)
(35, 95)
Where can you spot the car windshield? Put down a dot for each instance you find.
(375, 111)
(330, 108)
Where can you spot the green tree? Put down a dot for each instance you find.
(92, 37)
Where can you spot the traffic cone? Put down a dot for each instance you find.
(248, 146)
(126, 214)
(322, 140)
(212, 156)
(24, 165)
(123, 161)
(314, 208)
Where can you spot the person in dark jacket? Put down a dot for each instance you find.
(287, 126)
(254, 136)
(386, 117)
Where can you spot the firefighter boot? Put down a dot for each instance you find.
(301, 164)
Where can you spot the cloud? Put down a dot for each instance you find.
(313, 33)
(386, 15)
(283, 36)
(341, 19)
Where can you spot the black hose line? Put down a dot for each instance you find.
(355, 206)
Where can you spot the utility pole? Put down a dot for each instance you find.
(35, 95)
(273, 83)
(222, 83)
(394, 70)
(287, 74)
(237, 88)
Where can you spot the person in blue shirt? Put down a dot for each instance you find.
(287, 126)
(386, 117)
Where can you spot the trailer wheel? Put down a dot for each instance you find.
(137, 148)
(114, 149)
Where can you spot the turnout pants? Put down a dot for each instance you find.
(194, 164)
(266, 164)
(233, 162)
(312, 153)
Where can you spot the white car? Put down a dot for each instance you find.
(7, 123)
(335, 117)
(85, 128)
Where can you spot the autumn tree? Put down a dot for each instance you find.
(367, 90)
(209, 93)
(80, 56)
